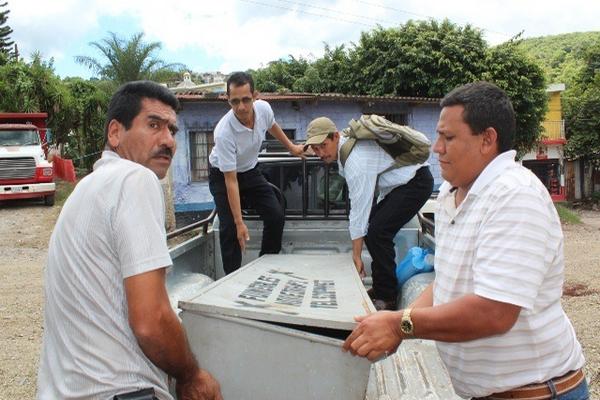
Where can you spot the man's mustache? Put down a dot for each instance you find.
(163, 151)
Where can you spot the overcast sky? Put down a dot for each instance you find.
(229, 35)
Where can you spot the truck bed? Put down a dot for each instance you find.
(415, 371)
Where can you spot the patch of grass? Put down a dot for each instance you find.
(566, 215)
(63, 190)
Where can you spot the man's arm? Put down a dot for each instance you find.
(233, 196)
(469, 317)
(357, 245)
(425, 299)
(295, 149)
(162, 338)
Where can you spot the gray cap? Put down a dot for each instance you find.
(318, 129)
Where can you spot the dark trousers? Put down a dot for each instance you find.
(386, 219)
(256, 193)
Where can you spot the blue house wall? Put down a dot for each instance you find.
(201, 115)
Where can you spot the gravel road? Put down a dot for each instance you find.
(25, 229)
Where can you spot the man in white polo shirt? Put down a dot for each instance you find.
(234, 171)
(109, 329)
(494, 308)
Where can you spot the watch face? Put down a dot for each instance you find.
(406, 326)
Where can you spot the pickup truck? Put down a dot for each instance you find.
(317, 223)
(25, 172)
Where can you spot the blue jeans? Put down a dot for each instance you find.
(579, 392)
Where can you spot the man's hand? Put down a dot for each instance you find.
(200, 386)
(297, 150)
(360, 266)
(376, 335)
(242, 235)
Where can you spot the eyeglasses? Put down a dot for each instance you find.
(236, 102)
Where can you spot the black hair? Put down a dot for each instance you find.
(240, 79)
(485, 106)
(126, 103)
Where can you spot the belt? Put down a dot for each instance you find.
(541, 391)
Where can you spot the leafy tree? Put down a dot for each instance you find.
(280, 75)
(582, 110)
(583, 119)
(127, 60)
(331, 73)
(561, 56)
(423, 58)
(523, 80)
(5, 31)
(33, 87)
(88, 105)
(76, 108)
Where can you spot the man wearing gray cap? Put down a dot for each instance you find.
(401, 192)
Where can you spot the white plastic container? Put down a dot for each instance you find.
(274, 329)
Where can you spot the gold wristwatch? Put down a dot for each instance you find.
(406, 324)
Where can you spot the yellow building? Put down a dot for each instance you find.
(547, 158)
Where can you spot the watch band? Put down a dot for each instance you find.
(406, 324)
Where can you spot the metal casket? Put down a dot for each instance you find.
(274, 329)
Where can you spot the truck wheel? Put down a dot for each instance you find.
(49, 200)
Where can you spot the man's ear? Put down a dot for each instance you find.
(489, 144)
(255, 95)
(115, 130)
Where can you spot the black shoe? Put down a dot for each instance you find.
(371, 293)
(384, 305)
(381, 304)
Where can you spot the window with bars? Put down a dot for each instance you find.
(201, 144)
(273, 145)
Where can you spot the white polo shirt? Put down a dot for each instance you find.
(237, 146)
(504, 242)
(110, 228)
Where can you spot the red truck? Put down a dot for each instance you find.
(25, 172)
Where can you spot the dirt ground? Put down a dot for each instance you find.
(25, 229)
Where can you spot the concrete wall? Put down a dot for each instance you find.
(195, 196)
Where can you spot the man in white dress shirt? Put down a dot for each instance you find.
(382, 200)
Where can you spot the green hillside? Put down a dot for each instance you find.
(560, 55)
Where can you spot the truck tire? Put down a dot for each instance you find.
(49, 200)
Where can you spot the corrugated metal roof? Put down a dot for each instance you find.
(207, 97)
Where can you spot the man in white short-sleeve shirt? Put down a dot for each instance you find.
(109, 328)
(234, 173)
(494, 307)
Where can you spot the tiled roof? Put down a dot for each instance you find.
(198, 96)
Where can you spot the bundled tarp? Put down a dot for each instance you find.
(404, 144)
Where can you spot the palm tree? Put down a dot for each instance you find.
(127, 60)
